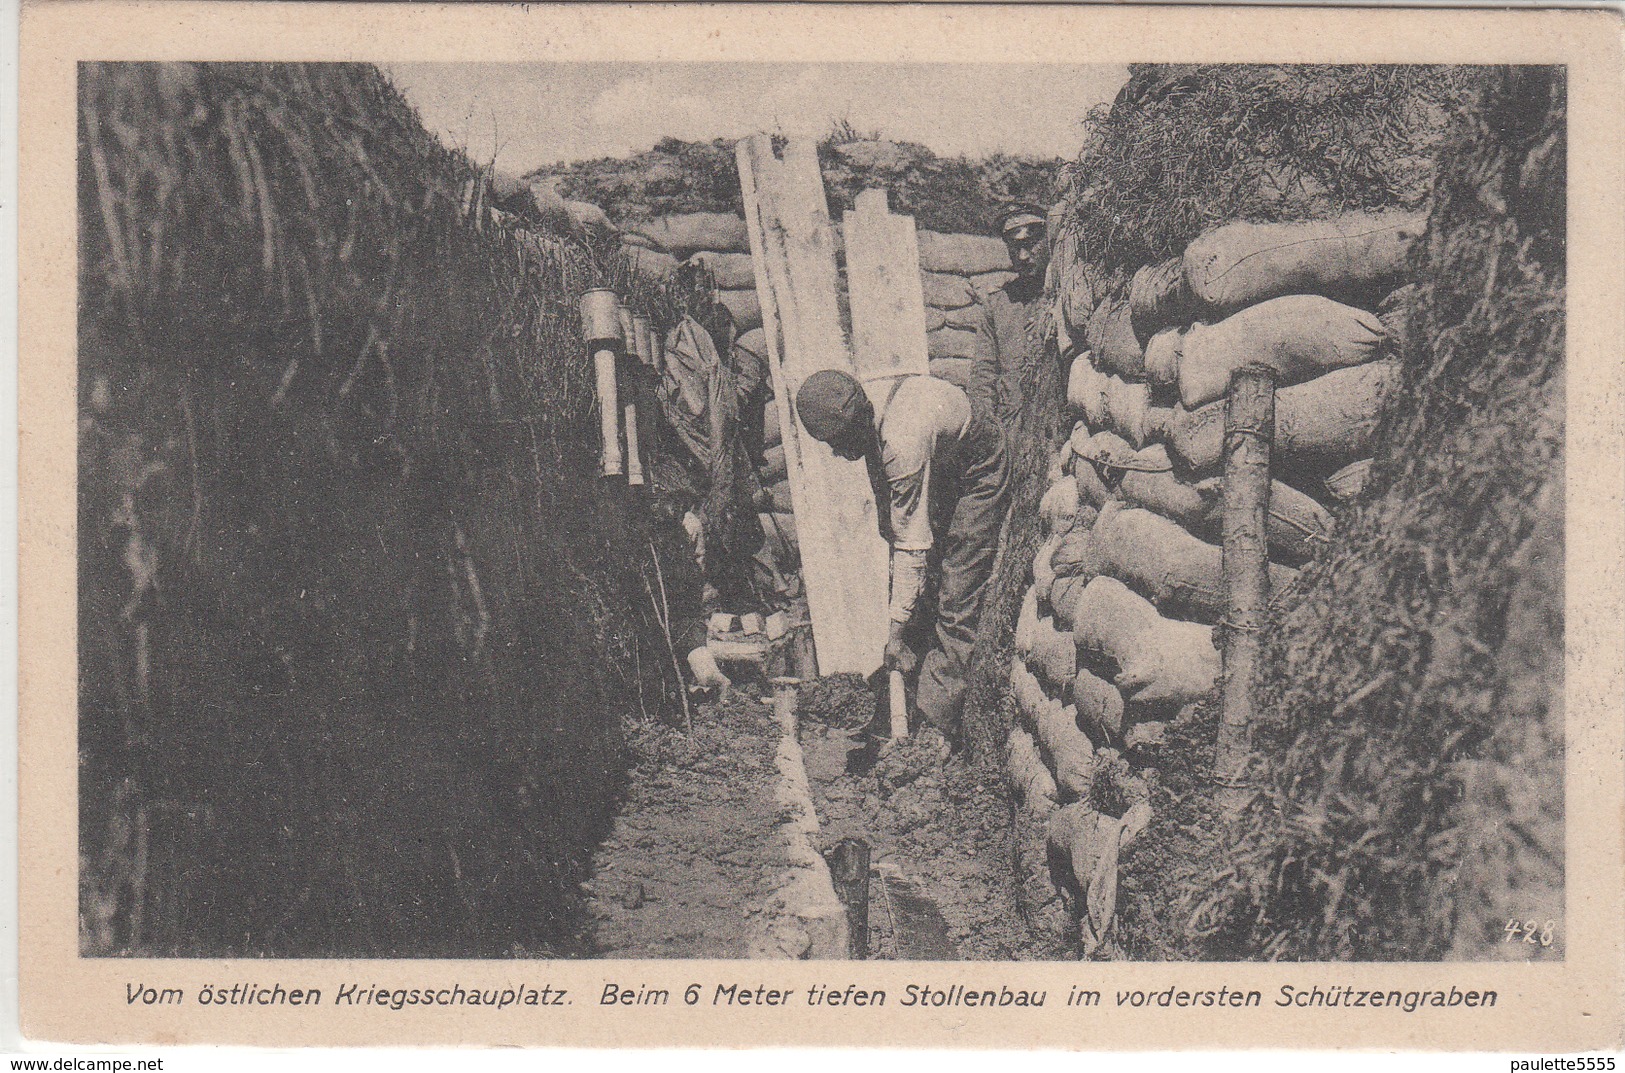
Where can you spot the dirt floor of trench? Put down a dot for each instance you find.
(693, 857)
(943, 877)
(695, 854)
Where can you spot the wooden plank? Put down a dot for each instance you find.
(843, 558)
(888, 299)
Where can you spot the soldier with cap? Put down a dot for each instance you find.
(938, 467)
(1005, 346)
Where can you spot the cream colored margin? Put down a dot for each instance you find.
(1541, 1007)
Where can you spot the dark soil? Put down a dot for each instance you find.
(692, 859)
(943, 881)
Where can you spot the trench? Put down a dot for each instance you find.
(376, 661)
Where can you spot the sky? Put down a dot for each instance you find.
(541, 113)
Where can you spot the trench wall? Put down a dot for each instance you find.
(1119, 637)
(358, 621)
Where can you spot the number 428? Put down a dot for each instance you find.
(1533, 932)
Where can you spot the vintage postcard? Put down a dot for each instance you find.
(741, 525)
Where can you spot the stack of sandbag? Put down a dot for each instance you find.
(717, 241)
(956, 271)
(1300, 298)
(1084, 846)
(1117, 635)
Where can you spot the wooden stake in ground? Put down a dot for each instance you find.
(883, 283)
(843, 558)
(1249, 431)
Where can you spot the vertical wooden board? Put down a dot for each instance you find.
(888, 299)
(843, 558)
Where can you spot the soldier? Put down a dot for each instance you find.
(938, 467)
(1005, 346)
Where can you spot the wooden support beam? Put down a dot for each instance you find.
(843, 558)
(1249, 431)
(887, 299)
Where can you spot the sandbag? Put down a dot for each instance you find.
(1110, 334)
(687, 233)
(1189, 503)
(1112, 454)
(1157, 558)
(1178, 572)
(1090, 844)
(1070, 754)
(1299, 527)
(1159, 298)
(1162, 358)
(773, 468)
(968, 319)
(1329, 420)
(952, 343)
(652, 265)
(1057, 468)
(1030, 780)
(1357, 257)
(1044, 571)
(962, 255)
(1300, 336)
(1159, 660)
(1026, 622)
(745, 307)
(954, 370)
(1054, 655)
(1063, 599)
(1099, 705)
(731, 271)
(1058, 508)
(985, 283)
(1347, 483)
(946, 291)
(1114, 404)
(1091, 489)
(772, 432)
(1074, 554)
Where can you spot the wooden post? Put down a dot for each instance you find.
(1249, 430)
(849, 869)
(843, 557)
(883, 283)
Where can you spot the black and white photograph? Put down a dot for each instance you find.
(917, 512)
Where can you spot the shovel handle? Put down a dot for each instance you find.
(899, 706)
